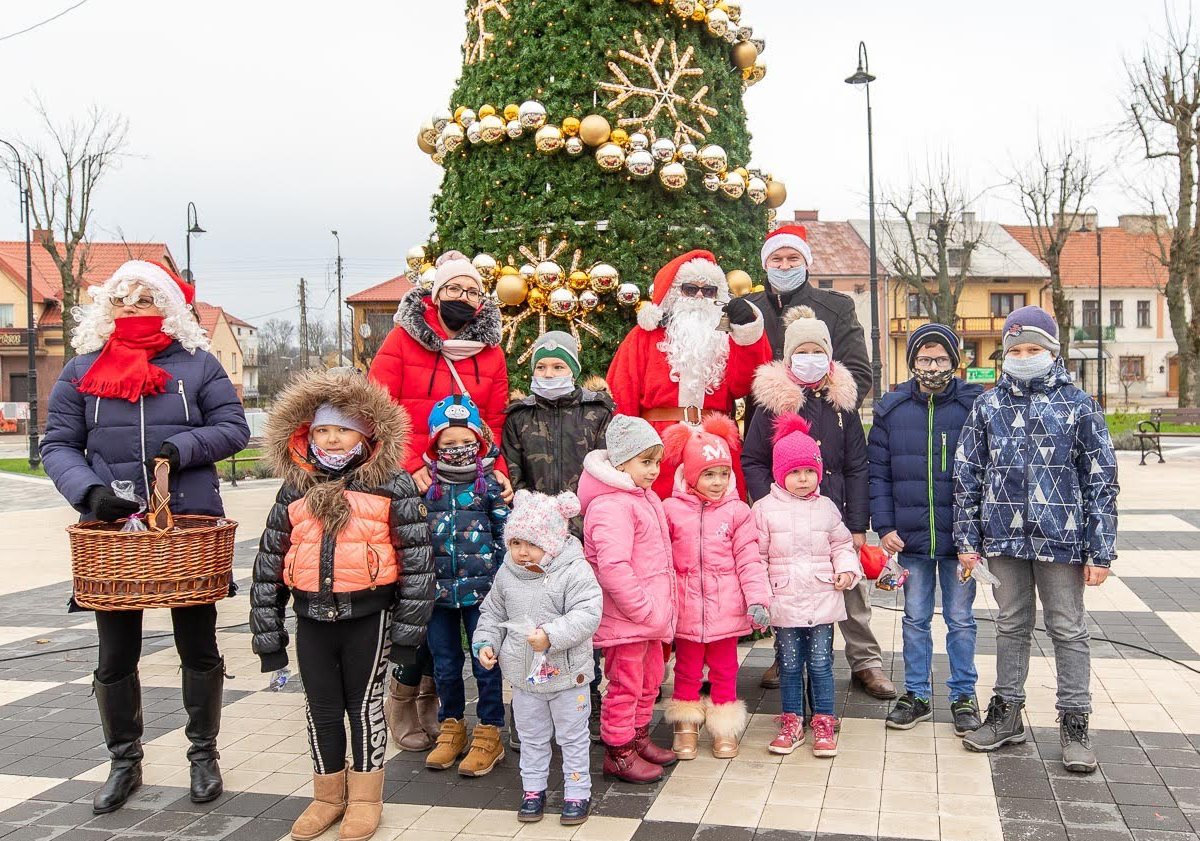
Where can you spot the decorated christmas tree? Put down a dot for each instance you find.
(585, 145)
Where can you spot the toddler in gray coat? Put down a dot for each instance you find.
(537, 622)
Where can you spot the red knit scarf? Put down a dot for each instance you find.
(123, 368)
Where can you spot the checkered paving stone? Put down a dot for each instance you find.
(917, 784)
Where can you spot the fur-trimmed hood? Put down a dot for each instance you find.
(774, 389)
(410, 316)
(287, 443)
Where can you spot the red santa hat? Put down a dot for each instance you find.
(693, 267)
(155, 277)
(787, 236)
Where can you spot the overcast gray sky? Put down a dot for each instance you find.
(284, 120)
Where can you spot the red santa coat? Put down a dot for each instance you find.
(640, 379)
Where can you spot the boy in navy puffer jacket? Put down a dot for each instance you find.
(911, 453)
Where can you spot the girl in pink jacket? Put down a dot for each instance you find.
(720, 579)
(626, 541)
(810, 559)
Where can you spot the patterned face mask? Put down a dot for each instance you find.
(933, 380)
(336, 461)
(458, 456)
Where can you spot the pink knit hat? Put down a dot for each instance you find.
(700, 447)
(794, 449)
(541, 520)
(450, 265)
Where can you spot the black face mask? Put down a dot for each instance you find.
(456, 314)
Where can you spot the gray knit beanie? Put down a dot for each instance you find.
(627, 436)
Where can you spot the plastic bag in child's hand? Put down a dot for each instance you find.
(893, 576)
(543, 670)
(980, 573)
(279, 679)
(124, 490)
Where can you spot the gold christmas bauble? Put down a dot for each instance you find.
(699, 14)
(673, 176)
(549, 139)
(486, 111)
(610, 157)
(755, 74)
(684, 8)
(511, 288)
(776, 194)
(423, 144)
(536, 300)
(758, 288)
(605, 278)
(740, 283)
(563, 303)
(579, 280)
(547, 275)
(741, 170)
(713, 158)
(452, 136)
(491, 129)
(756, 189)
(467, 117)
(428, 133)
(594, 130)
(458, 112)
(620, 137)
(485, 264)
(744, 55)
(570, 126)
(511, 112)
(733, 8)
(415, 257)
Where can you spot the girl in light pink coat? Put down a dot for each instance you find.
(627, 543)
(721, 581)
(810, 559)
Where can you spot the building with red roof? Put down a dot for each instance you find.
(372, 311)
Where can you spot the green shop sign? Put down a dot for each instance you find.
(981, 375)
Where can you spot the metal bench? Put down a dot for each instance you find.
(254, 444)
(1150, 434)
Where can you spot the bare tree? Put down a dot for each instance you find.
(64, 176)
(1163, 116)
(1053, 188)
(277, 354)
(321, 337)
(931, 240)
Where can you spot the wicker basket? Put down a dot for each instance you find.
(188, 561)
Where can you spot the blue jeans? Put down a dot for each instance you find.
(445, 643)
(957, 601)
(798, 649)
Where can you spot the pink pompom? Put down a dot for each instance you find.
(785, 425)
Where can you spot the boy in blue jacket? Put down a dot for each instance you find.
(911, 454)
(1036, 491)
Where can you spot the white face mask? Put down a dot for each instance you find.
(1029, 367)
(787, 280)
(810, 368)
(552, 388)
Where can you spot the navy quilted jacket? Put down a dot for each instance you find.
(1035, 474)
(468, 540)
(911, 451)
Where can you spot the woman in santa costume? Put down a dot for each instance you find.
(145, 387)
(680, 363)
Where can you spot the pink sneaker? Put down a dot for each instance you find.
(791, 734)
(824, 738)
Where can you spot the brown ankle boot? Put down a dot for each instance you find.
(651, 752)
(687, 716)
(770, 678)
(400, 710)
(623, 763)
(451, 742)
(486, 750)
(364, 805)
(427, 707)
(329, 802)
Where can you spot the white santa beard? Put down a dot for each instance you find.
(696, 350)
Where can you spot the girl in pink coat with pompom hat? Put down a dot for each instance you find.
(720, 579)
(810, 559)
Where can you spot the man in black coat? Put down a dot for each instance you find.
(786, 257)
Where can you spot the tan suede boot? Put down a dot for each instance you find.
(364, 805)
(400, 710)
(451, 742)
(687, 716)
(486, 751)
(427, 707)
(329, 802)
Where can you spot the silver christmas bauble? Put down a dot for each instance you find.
(733, 185)
(532, 114)
(548, 139)
(415, 257)
(452, 136)
(467, 118)
(491, 129)
(474, 134)
(588, 300)
(640, 164)
(717, 22)
(574, 146)
(563, 303)
(663, 150)
(687, 151)
(604, 278)
(638, 141)
(547, 275)
(514, 129)
(628, 294)
(713, 158)
(440, 118)
(673, 176)
(712, 182)
(756, 189)
(610, 157)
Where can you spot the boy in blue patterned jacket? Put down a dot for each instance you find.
(1036, 494)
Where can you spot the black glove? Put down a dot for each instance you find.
(403, 655)
(168, 451)
(107, 506)
(739, 311)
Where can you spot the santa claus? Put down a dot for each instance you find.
(693, 352)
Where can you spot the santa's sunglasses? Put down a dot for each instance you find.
(694, 290)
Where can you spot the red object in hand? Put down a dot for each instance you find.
(873, 560)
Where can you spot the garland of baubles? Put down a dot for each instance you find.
(640, 154)
(723, 19)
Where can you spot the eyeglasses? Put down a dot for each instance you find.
(694, 290)
(928, 363)
(452, 292)
(139, 304)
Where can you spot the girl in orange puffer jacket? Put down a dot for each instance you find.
(348, 540)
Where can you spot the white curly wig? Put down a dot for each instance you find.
(94, 321)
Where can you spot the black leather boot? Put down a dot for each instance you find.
(120, 706)
(202, 701)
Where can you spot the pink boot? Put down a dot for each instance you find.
(824, 739)
(791, 734)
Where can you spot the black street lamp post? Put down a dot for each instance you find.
(31, 390)
(863, 77)
(193, 227)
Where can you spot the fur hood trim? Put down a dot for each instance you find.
(775, 390)
(286, 440)
(410, 315)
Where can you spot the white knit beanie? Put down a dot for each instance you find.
(541, 520)
(804, 326)
(328, 414)
(454, 264)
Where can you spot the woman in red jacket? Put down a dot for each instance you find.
(446, 341)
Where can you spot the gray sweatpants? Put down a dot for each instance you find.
(563, 715)
(1060, 588)
(862, 649)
